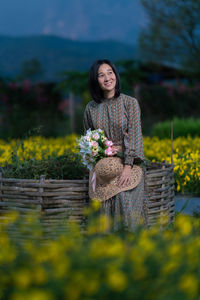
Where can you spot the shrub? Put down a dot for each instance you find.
(182, 127)
(160, 103)
(66, 166)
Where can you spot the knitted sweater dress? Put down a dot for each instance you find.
(119, 117)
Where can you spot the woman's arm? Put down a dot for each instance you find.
(133, 140)
(87, 121)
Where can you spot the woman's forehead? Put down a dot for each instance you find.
(104, 67)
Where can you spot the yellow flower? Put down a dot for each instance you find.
(145, 242)
(183, 224)
(95, 203)
(170, 267)
(174, 249)
(189, 284)
(22, 278)
(33, 294)
(117, 280)
(95, 148)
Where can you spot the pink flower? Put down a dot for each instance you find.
(109, 151)
(26, 85)
(170, 90)
(114, 150)
(108, 143)
(181, 88)
(64, 106)
(13, 85)
(96, 136)
(94, 153)
(4, 98)
(94, 144)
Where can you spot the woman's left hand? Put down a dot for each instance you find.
(125, 176)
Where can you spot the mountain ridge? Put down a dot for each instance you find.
(57, 54)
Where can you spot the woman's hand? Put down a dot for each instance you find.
(125, 176)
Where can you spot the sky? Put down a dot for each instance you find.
(74, 19)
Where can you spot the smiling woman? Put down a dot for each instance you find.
(118, 115)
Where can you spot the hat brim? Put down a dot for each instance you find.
(108, 190)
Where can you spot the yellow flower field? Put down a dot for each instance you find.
(36, 147)
(186, 158)
(186, 154)
(95, 265)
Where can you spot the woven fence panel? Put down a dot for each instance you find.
(65, 200)
(54, 201)
(160, 181)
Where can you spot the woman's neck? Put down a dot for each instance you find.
(109, 95)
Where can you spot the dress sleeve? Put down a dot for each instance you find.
(87, 121)
(133, 140)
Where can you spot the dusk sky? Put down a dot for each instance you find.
(75, 19)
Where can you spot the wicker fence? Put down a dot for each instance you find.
(160, 181)
(54, 200)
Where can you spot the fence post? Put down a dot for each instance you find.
(41, 189)
(1, 185)
(172, 137)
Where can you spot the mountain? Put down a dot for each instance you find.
(57, 54)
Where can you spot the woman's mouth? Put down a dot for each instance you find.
(108, 83)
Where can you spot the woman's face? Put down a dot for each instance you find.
(107, 79)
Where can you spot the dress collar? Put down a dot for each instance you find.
(109, 100)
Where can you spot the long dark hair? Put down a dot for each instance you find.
(95, 90)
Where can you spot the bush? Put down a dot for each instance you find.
(25, 108)
(66, 166)
(182, 127)
(159, 103)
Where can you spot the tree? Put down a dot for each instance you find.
(31, 69)
(130, 73)
(77, 83)
(172, 33)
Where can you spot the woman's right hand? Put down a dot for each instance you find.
(125, 176)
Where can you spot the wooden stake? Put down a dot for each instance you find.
(172, 134)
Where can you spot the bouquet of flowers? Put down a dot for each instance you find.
(94, 145)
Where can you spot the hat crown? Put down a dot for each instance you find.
(108, 168)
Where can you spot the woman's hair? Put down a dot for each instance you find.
(95, 90)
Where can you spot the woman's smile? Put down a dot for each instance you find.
(108, 83)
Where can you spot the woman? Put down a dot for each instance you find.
(119, 116)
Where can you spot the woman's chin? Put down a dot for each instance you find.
(109, 89)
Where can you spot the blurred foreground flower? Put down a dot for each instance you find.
(98, 264)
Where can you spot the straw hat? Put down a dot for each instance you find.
(107, 173)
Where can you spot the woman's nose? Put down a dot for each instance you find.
(106, 77)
